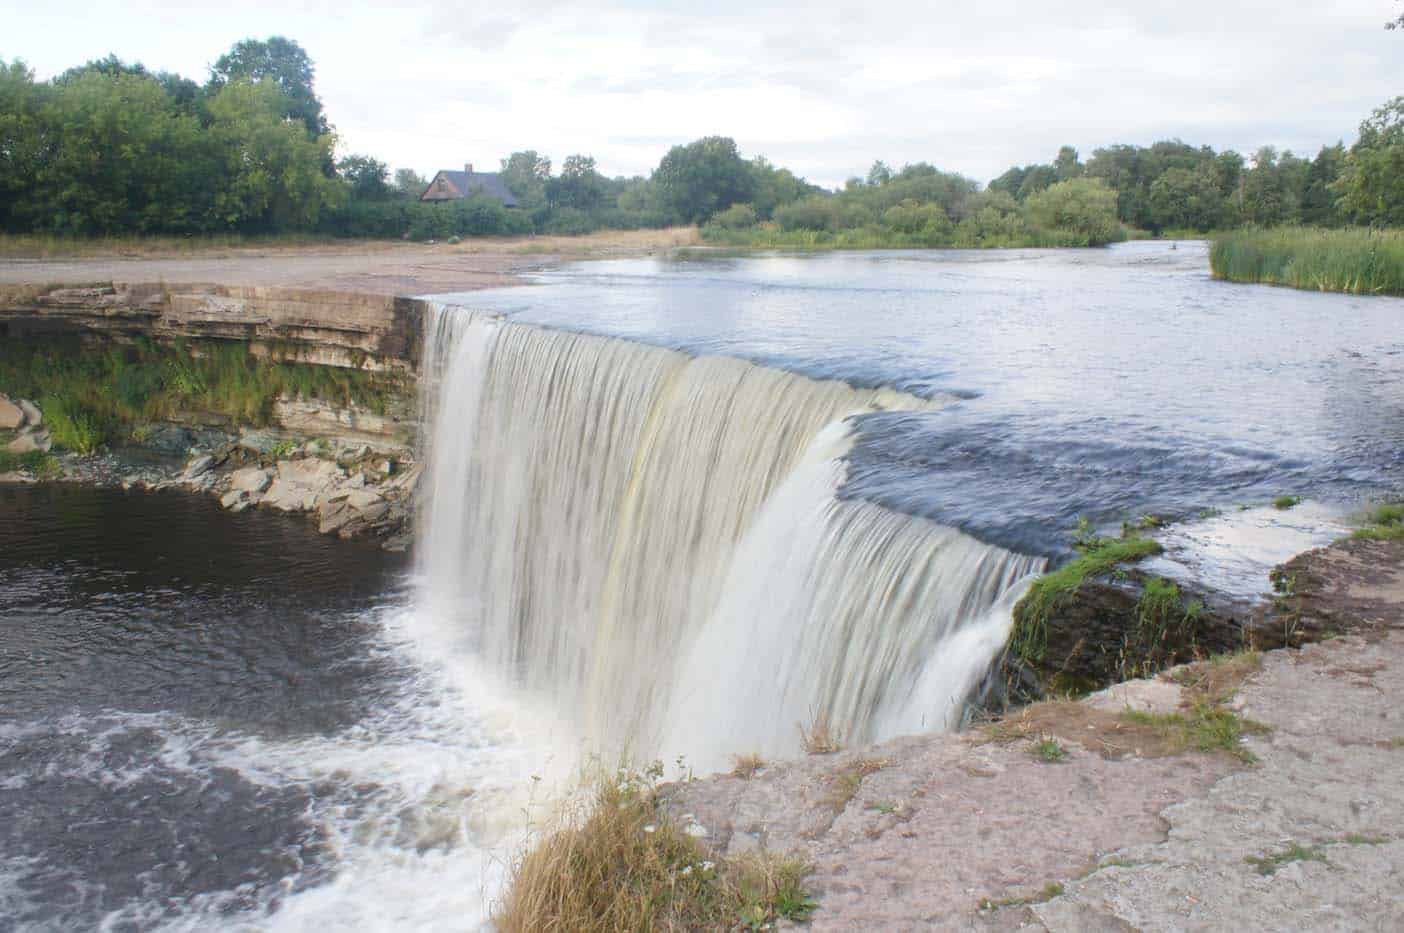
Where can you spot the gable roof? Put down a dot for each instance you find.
(485, 184)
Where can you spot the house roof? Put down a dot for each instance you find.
(487, 184)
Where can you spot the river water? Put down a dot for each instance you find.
(229, 722)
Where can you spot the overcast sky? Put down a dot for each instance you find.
(822, 87)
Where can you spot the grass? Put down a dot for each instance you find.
(1205, 727)
(1296, 852)
(1164, 629)
(1357, 261)
(1100, 556)
(844, 784)
(1286, 502)
(621, 863)
(1051, 890)
(1382, 523)
(35, 462)
(746, 767)
(820, 738)
(91, 395)
(1048, 750)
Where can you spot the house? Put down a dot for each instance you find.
(449, 185)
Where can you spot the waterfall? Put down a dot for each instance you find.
(653, 543)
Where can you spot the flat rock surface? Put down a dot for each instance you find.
(370, 267)
(959, 832)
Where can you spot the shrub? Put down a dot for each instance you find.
(1081, 206)
(735, 217)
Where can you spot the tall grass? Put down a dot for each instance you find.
(94, 395)
(1356, 261)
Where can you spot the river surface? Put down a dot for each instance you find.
(1103, 383)
(230, 722)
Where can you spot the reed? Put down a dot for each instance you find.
(1356, 261)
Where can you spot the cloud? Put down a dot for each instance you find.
(825, 86)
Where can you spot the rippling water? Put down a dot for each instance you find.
(210, 720)
(1095, 382)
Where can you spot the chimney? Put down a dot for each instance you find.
(468, 167)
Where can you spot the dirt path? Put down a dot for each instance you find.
(373, 267)
(960, 832)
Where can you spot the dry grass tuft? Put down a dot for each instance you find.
(843, 784)
(746, 766)
(1218, 679)
(619, 863)
(820, 738)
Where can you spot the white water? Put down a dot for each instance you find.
(652, 545)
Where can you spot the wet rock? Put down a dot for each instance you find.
(32, 415)
(198, 467)
(259, 441)
(29, 441)
(11, 415)
(234, 497)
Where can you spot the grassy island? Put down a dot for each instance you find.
(1355, 260)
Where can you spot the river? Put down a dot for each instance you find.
(216, 721)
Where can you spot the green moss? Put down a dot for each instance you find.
(1030, 638)
(1286, 502)
(92, 395)
(1296, 852)
(1207, 727)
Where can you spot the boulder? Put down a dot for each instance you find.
(302, 485)
(32, 415)
(250, 480)
(30, 441)
(198, 467)
(233, 497)
(11, 415)
(362, 499)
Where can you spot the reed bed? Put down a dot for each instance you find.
(1356, 261)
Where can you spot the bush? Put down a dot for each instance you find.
(812, 213)
(735, 217)
(1083, 207)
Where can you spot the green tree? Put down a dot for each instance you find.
(21, 143)
(1067, 165)
(409, 183)
(703, 177)
(287, 65)
(1371, 185)
(879, 174)
(579, 186)
(1186, 199)
(774, 187)
(367, 178)
(1318, 196)
(271, 168)
(526, 174)
(1082, 206)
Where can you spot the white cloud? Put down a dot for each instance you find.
(823, 87)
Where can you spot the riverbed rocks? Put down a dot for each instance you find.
(25, 417)
(11, 415)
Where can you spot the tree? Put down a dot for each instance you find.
(409, 183)
(1371, 185)
(1396, 23)
(21, 142)
(367, 177)
(287, 65)
(271, 175)
(1082, 206)
(1187, 199)
(704, 177)
(879, 174)
(526, 174)
(579, 186)
(774, 187)
(1067, 165)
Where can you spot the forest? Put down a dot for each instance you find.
(112, 148)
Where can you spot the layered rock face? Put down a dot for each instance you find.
(360, 331)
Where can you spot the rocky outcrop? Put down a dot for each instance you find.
(25, 417)
(362, 331)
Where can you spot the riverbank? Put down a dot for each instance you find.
(1352, 261)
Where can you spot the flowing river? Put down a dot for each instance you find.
(673, 508)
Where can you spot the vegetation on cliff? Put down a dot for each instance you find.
(93, 395)
(622, 863)
(1356, 260)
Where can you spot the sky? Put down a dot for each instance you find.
(821, 87)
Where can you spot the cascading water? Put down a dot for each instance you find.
(653, 542)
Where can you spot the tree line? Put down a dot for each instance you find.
(113, 148)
